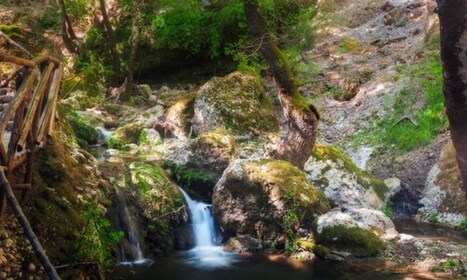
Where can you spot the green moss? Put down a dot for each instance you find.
(348, 45)
(322, 251)
(115, 143)
(85, 134)
(323, 153)
(240, 104)
(359, 242)
(195, 181)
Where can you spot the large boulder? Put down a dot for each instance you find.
(179, 116)
(344, 184)
(343, 235)
(269, 200)
(443, 198)
(235, 102)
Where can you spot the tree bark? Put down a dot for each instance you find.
(453, 24)
(112, 41)
(68, 34)
(129, 84)
(302, 118)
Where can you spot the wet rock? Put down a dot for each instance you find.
(443, 196)
(236, 103)
(265, 199)
(243, 244)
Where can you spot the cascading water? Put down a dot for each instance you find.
(206, 252)
(102, 134)
(131, 251)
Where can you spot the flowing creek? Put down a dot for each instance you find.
(208, 260)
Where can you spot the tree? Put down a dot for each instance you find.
(112, 41)
(453, 25)
(68, 34)
(136, 18)
(302, 118)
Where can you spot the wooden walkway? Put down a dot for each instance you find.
(30, 95)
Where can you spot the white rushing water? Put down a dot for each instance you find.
(102, 134)
(206, 252)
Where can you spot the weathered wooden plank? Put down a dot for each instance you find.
(50, 100)
(5, 57)
(51, 125)
(34, 104)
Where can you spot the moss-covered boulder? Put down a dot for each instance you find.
(235, 102)
(269, 200)
(127, 134)
(443, 198)
(161, 202)
(340, 233)
(344, 184)
(84, 132)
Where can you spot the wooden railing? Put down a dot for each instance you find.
(25, 125)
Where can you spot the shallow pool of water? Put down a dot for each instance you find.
(186, 266)
(430, 231)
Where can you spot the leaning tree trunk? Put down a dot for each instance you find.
(68, 34)
(129, 83)
(453, 25)
(302, 118)
(112, 41)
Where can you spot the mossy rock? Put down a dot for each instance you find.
(357, 241)
(180, 114)
(85, 134)
(236, 103)
(129, 133)
(160, 195)
(343, 182)
(266, 199)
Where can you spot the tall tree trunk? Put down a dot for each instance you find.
(129, 84)
(68, 34)
(453, 23)
(302, 118)
(112, 41)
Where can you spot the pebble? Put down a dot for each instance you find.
(3, 275)
(32, 267)
(418, 245)
(7, 243)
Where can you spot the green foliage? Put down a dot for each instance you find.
(433, 217)
(115, 143)
(98, 238)
(189, 178)
(449, 265)
(402, 130)
(78, 10)
(291, 222)
(463, 225)
(388, 209)
(50, 20)
(85, 134)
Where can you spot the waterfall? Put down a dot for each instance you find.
(206, 252)
(136, 252)
(102, 134)
(131, 248)
(202, 221)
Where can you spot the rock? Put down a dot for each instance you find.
(127, 134)
(8, 243)
(236, 103)
(266, 199)
(405, 237)
(158, 193)
(375, 221)
(343, 183)
(340, 232)
(6, 98)
(243, 244)
(179, 116)
(144, 90)
(443, 196)
(149, 137)
(418, 245)
(212, 153)
(31, 267)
